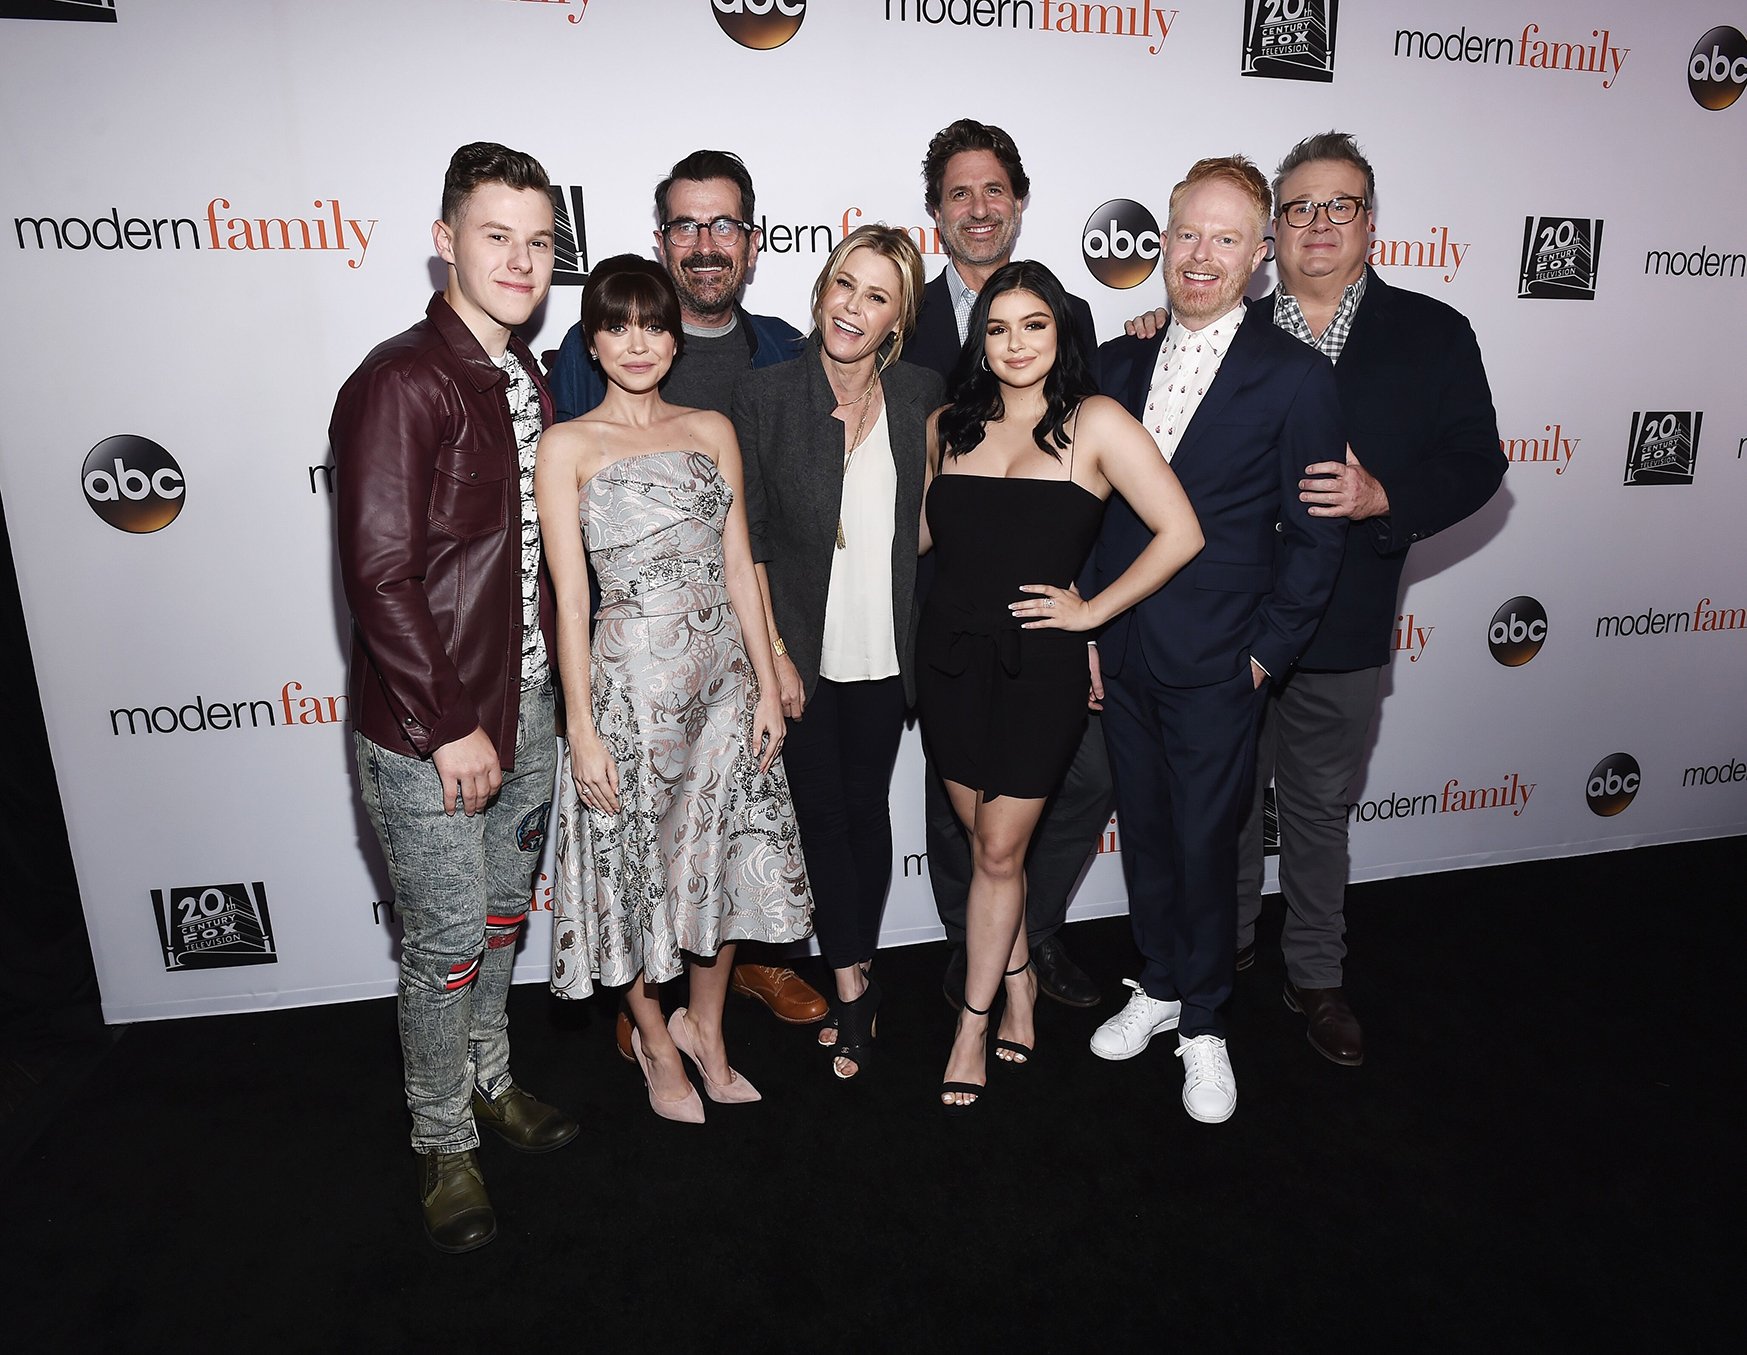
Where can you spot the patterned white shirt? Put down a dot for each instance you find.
(1187, 363)
(524, 403)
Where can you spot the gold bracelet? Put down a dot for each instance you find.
(777, 647)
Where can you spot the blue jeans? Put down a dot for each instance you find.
(461, 887)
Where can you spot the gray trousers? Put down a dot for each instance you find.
(1313, 745)
(462, 886)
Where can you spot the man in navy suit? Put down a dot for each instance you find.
(1422, 455)
(1242, 411)
(975, 188)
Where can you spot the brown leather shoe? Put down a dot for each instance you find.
(1333, 1030)
(622, 1037)
(458, 1213)
(789, 996)
(527, 1125)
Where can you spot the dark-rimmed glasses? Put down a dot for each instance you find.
(1339, 211)
(685, 231)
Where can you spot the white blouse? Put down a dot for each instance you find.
(859, 643)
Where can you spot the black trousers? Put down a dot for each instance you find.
(839, 757)
(1072, 822)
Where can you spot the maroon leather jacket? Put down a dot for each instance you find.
(429, 499)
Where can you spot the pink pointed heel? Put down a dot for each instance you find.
(738, 1090)
(688, 1109)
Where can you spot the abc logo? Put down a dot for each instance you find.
(760, 24)
(1717, 72)
(1613, 784)
(133, 484)
(1518, 630)
(1120, 243)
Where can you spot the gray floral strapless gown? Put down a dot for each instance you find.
(703, 850)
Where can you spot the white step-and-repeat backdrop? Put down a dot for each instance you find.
(214, 208)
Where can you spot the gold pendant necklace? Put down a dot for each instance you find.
(866, 403)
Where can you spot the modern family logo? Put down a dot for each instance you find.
(1732, 771)
(1706, 617)
(760, 24)
(214, 926)
(329, 231)
(1662, 448)
(1613, 784)
(1290, 39)
(1436, 251)
(1560, 258)
(1703, 262)
(1149, 23)
(133, 484)
(1511, 792)
(91, 11)
(1551, 448)
(1517, 631)
(293, 708)
(1530, 50)
(1717, 71)
(1410, 638)
(1120, 243)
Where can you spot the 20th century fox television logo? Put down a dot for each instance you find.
(569, 236)
(1663, 447)
(1560, 257)
(1290, 39)
(214, 926)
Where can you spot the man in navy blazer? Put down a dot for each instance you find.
(975, 187)
(1422, 455)
(1241, 410)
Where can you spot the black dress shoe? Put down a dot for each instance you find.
(1246, 956)
(1058, 977)
(527, 1125)
(458, 1213)
(952, 986)
(1333, 1030)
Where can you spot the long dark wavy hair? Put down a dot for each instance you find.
(976, 393)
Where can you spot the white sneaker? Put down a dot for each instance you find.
(1126, 1034)
(1209, 1086)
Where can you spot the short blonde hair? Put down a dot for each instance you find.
(889, 242)
(1240, 173)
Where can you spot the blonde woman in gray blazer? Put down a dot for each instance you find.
(835, 445)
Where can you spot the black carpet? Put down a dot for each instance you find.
(1539, 1154)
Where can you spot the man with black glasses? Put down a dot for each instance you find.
(1422, 455)
(707, 242)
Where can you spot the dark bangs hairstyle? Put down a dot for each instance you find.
(976, 393)
(626, 289)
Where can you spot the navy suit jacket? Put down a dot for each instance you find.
(1259, 585)
(935, 343)
(1419, 417)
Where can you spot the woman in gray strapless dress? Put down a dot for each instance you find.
(675, 829)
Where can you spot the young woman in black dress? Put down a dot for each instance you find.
(1020, 464)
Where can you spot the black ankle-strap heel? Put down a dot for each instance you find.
(1021, 1052)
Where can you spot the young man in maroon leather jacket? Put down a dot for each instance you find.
(451, 695)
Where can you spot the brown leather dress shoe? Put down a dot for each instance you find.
(1333, 1030)
(458, 1213)
(622, 1029)
(527, 1125)
(789, 996)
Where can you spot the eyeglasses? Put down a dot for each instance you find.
(685, 231)
(1339, 211)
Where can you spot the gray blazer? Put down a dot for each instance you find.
(793, 454)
